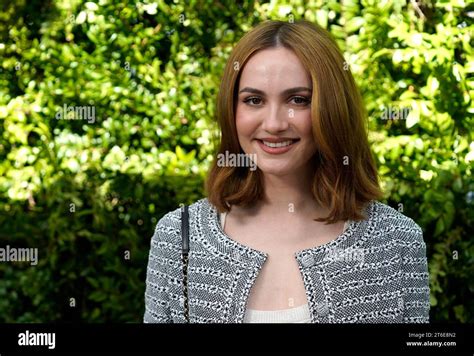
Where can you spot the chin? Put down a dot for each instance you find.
(277, 169)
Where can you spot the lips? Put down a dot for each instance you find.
(276, 146)
(278, 139)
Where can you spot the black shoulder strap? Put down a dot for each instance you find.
(184, 256)
(185, 228)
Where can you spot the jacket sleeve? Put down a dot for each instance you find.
(415, 290)
(157, 280)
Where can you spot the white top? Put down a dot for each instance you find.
(300, 314)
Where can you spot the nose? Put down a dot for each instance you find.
(276, 119)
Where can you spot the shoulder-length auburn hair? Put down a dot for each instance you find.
(345, 174)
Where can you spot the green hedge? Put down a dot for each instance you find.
(88, 193)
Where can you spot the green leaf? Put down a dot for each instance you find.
(440, 227)
(354, 24)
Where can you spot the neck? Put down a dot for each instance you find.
(291, 193)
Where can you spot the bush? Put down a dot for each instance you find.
(87, 193)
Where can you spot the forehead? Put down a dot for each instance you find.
(274, 67)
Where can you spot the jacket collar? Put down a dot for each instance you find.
(222, 245)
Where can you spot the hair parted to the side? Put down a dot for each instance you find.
(345, 173)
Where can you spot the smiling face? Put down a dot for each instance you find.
(273, 115)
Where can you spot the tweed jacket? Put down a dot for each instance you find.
(375, 272)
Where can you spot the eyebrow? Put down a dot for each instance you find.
(284, 92)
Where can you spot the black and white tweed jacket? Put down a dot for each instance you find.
(375, 272)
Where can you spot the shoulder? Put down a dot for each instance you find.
(168, 227)
(394, 224)
(166, 242)
(173, 217)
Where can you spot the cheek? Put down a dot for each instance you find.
(304, 124)
(245, 122)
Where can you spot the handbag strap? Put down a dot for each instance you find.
(184, 256)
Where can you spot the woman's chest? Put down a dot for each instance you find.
(281, 237)
(279, 284)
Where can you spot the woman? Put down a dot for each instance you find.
(302, 238)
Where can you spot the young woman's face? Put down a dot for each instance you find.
(273, 115)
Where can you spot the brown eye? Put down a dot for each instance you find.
(253, 100)
(300, 100)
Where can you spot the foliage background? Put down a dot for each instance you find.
(86, 193)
